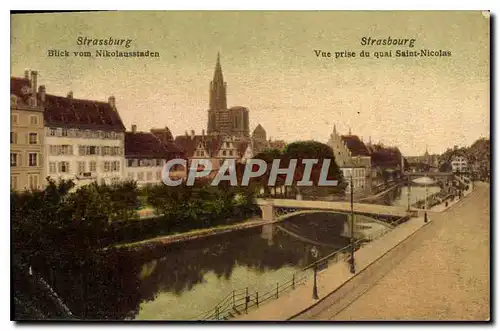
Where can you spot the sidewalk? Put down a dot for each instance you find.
(329, 280)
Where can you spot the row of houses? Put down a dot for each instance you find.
(63, 137)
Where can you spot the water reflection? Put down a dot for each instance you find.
(182, 280)
(194, 277)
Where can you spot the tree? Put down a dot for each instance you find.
(301, 150)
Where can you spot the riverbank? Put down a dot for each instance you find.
(333, 279)
(189, 235)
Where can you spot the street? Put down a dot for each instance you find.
(445, 276)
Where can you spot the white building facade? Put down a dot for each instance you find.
(459, 163)
(359, 176)
(84, 141)
(145, 157)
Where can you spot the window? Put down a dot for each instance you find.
(13, 137)
(33, 119)
(224, 153)
(52, 132)
(131, 175)
(59, 132)
(32, 159)
(81, 167)
(13, 182)
(14, 118)
(228, 144)
(140, 176)
(106, 166)
(66, 150)
(158, 162)
(149, 175)
(33, 181)
(52, 167)
(13, 159)
(64, 132)
(64, 167)
(33, 138)
(115, 166)
(91, 150)
(230, 153)
(92, 166)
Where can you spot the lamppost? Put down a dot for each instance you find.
(409, 192)
(353, 269)
(314, 253)
(425, 181)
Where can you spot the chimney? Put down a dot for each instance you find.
(192, 134)
(34, 86)
(112, 102)
(203, 132)
(70, 95)
(187, 135)
(26, 74)
(41, 93)
(134, 128)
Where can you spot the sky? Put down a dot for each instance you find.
(270, 67)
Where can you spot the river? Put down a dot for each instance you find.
(182, 280)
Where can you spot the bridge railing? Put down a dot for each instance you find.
(242, 299)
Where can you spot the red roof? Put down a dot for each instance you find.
(82, 114)
(144, 145)
(355, 145)
(188, 144)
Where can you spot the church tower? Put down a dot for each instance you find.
(218, 99)
(218, 115)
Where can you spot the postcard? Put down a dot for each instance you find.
(250, 166)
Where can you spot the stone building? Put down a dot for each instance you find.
(27, 139)
(145, 156)
(84, 139)
(221, 120)
(353, 158)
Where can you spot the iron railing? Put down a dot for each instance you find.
(240, 300)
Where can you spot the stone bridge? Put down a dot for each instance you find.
(277, 210)
(273, 209)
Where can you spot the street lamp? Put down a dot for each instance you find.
(425, 181)
(314, 253)
(409, 192)
(353, 269)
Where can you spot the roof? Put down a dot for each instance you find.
(259, 130)
(145, 145)
(189, 143)
(355, 145)
(80, 113)
(212, 144)
(164, 134)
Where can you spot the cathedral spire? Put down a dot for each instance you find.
(218, 88)
(218, 77)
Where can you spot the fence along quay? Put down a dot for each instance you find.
(239, 301)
